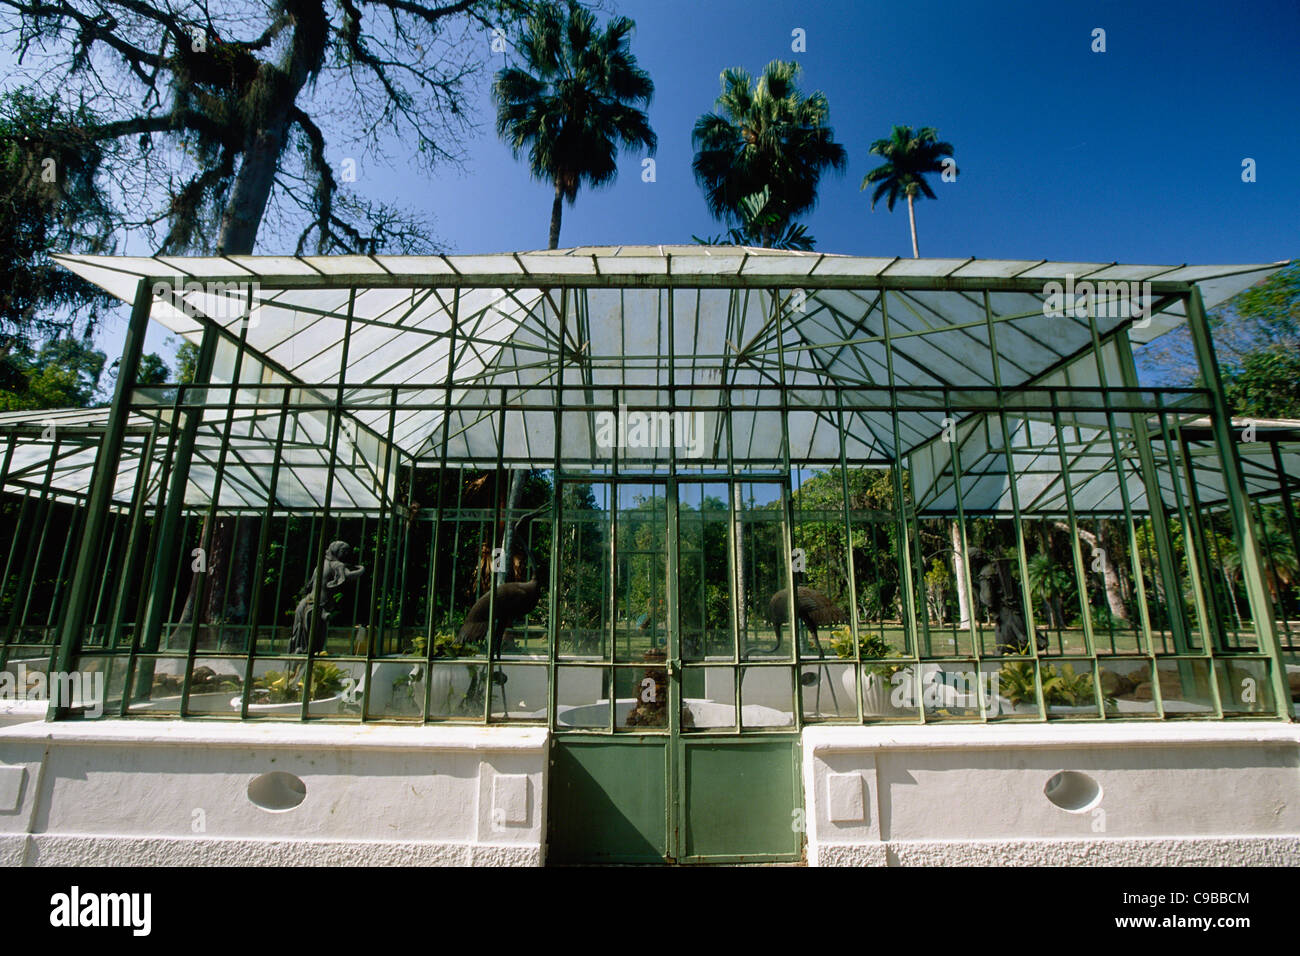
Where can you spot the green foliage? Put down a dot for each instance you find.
(1062, 688)
(50, 201)
(909, 156)
(871, 647)
(64, 373)
(758, 219)
(768, 140)
(153, 370)
(1266, 383)
(285, 687)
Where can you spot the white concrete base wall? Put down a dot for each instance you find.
(177, 792)
(1171, 793)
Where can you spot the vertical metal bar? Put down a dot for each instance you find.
(1261, 606)
(161, 599)
(903, 551)
(209, 526)
(255, 609)
(1155, 504)
(318, 578)
(101, 490)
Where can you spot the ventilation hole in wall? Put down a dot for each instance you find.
(277, 791)
(1073, 791)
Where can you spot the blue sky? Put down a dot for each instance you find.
(1134, 154)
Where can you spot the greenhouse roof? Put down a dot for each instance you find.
(494, 324)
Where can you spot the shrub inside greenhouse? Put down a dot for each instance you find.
(659, 489)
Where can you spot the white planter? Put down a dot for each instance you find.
(877, 695)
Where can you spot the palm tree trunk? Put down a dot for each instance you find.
(911, 218)
(557, 211)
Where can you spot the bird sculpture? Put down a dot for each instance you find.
(508, 602)
(811, 607)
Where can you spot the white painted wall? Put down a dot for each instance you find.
(1195, 792)
(145, 792)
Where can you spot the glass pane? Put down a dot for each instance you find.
(708, 697)
(703, 572)
(643, 694)
(950, 690)
(828, 691)
(1245, 686)
(1185, 687)
(216, 685)
(519, 692)
(641, 571)
(766, 697)
(582, 697)
(1128, 683)
(762, 580)
(582, 581)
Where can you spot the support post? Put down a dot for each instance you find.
(1252, 565)
(100, 500)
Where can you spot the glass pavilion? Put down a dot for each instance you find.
(950, 452)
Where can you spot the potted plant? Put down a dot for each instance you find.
(1063, 689)
(877, 678)
(280, 692)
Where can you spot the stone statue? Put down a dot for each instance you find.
(338, 568)
(997, 591)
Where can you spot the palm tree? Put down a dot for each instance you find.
(768, 136)
(908, 156)
(574, 102)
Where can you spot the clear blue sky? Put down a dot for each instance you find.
(1134, 154)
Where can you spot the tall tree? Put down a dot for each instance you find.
(909, 157)
(50, 201)
(239, 96)
(767, 136)
(221, 111)
(574, 102)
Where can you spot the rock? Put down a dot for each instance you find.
(202, 676)
(1114, 684)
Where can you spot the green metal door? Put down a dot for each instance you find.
(675, 715)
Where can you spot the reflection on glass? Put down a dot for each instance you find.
(216, 684)
(1185, 687)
